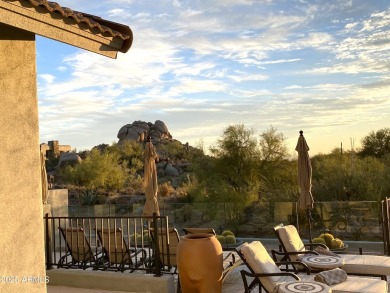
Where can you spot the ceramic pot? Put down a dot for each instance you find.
(199, 263)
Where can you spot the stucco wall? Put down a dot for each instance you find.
(21, 221)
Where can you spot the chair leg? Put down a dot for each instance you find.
(178, 290)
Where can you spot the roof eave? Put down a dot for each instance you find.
(123, 29)
(47, 26)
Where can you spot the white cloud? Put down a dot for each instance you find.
(62, 68)
(47, 77)
(200, 66)
(243, 77)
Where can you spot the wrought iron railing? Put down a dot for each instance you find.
(348, 220)
(107, 243)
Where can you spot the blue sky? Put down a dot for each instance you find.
(200, 66)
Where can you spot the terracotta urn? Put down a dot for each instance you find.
(199, 262)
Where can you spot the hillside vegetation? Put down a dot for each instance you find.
(242, 168)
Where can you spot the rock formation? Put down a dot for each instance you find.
(139, 130)
(69, 158)
(168, 168)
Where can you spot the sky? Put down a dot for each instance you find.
(200, 66)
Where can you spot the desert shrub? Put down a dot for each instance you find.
(328, 238)
(134, 184)
(145, 237)
(97, 170)
(230, 239)
(319, 240)
(91, 197)
(191, 191)
(172, 149)
(227, 233)
(336, 243)
(221, 239)
(165, 190)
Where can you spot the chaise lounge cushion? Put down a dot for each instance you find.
(291, 240)
(261, 262)
(353, 263)
(355, 284)
(366, 264)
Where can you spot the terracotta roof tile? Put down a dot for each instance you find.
(104, 27)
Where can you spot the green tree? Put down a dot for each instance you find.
(273, 148)
(346, 177)
(376, 144)
(276, 170)
(229, 175)
(242, 168)
(98, 170)
(236, 156)
(329, 176)
(385, 178)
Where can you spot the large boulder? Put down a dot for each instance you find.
(136, 131)
(160, 130)
(170, 170)
(167, 169)
(101, 147)
(140, 130)
(69, 159)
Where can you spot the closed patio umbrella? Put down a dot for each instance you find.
(44, 183)
(150, 180)
(305, 200)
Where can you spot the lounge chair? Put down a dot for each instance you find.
(78, 249)
(168, 241)
(167, 247)
(269, 276)
(354, 264)
(117, 252)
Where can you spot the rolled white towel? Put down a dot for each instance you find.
(325, 251)
(331, 277)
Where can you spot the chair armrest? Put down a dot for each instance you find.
(256, 280)
(248, 274)
(314, 245)
(275, 252)
(292, 263)
(304, 252)
(233, 257)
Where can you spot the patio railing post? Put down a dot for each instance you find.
(49, 261)
(156, 248)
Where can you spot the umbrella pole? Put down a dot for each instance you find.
(309, 218)
(297, 216)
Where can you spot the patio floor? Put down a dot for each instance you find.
(233, 282)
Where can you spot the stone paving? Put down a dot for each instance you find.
(233, 282)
